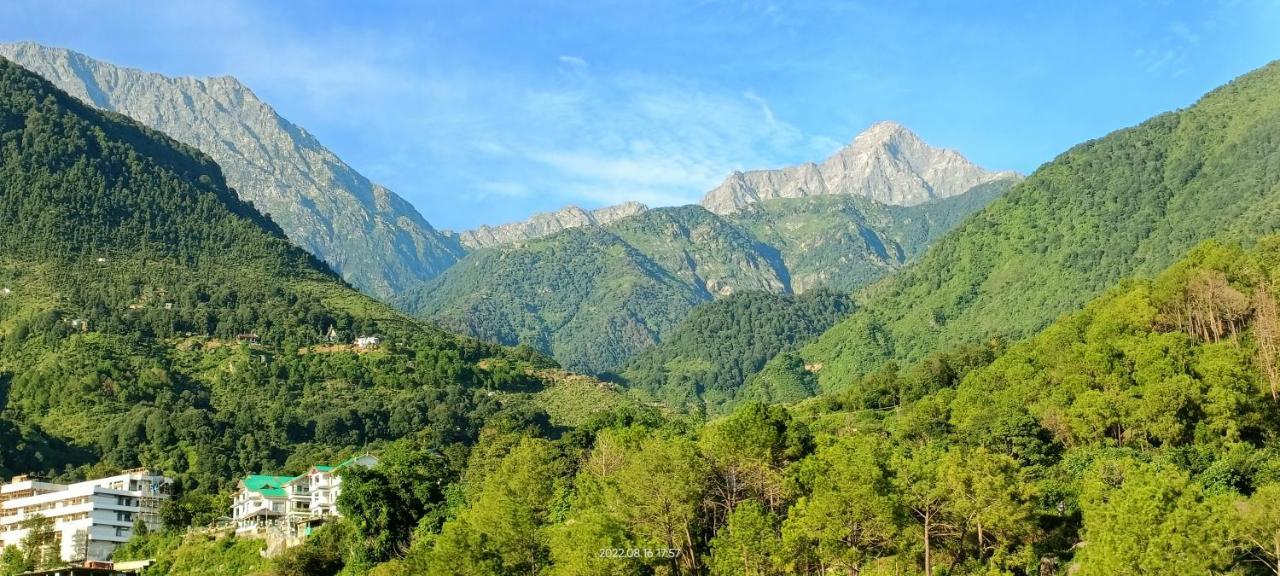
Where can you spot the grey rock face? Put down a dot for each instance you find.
(376, 240)
(886, 163)
(547, 223)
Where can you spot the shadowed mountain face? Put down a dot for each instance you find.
(886, 163)
(373, 238)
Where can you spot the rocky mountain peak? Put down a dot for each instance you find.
(886, 162)
(547, 223)
(883, 131)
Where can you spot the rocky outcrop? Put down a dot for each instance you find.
(375, 239)
(886, 163)
(545, 224)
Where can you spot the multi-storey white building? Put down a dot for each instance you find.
(90, 519)
(260, 500)
(265, 500)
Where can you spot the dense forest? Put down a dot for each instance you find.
(594, 297)
(703, 365)
(1129, 203)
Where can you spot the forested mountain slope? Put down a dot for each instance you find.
(593, 297)
(844, 242)
(583, 295)
(148, 316)
(1129, 203)
(701, 366)
(372, 237)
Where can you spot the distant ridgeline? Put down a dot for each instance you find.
(595, 296)
(148, 316)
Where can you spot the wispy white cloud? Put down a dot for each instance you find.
(764, 106)
(573, 61)
(1161, 60)
(1184, 32)
(587, 137)
(660, 140)
(1170, 54)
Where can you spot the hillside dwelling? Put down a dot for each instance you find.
(364, 342)
(102, 260)
(249, 338)
(5, 291)
(259, 500)
(332, 335)
(91, 518)
(263, 501)
(81, 324)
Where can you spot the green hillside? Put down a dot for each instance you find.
(706, 252)
(1129, 203)
(702, 365)
(584, 295)
(1144, 422)
(846, 242)
(594, 297)
(150, 317)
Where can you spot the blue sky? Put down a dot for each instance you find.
(485, 112)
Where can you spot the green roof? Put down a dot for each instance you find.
(273, 486)
(269, 486)
(351, 460)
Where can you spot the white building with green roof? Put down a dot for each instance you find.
(263, 500)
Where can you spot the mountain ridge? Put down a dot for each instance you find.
(594, 296)
(372, 237)
(545, 224)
